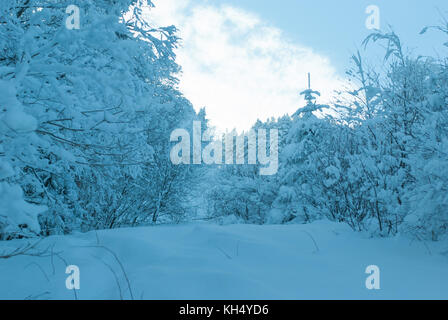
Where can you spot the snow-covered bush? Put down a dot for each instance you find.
(17, 217)
(379, 165)
(88, 100)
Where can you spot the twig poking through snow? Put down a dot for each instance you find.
(39, 267)
(314, 241)
(119, 263)
(224, 253)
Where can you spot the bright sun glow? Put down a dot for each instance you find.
(239, 67)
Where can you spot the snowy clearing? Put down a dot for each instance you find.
(203, 261)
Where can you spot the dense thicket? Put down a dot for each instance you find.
(380, 164)
(85, 118)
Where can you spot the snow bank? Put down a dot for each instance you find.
(322, 260)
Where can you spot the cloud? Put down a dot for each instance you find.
(239, 67)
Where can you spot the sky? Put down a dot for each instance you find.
(248, 59)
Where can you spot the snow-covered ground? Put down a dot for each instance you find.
(204, 261)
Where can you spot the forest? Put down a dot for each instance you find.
(86, 118)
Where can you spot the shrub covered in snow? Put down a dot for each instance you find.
(380, 164)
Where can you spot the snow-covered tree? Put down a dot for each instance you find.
(86, 98)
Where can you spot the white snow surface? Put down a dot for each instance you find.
(322, 260)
